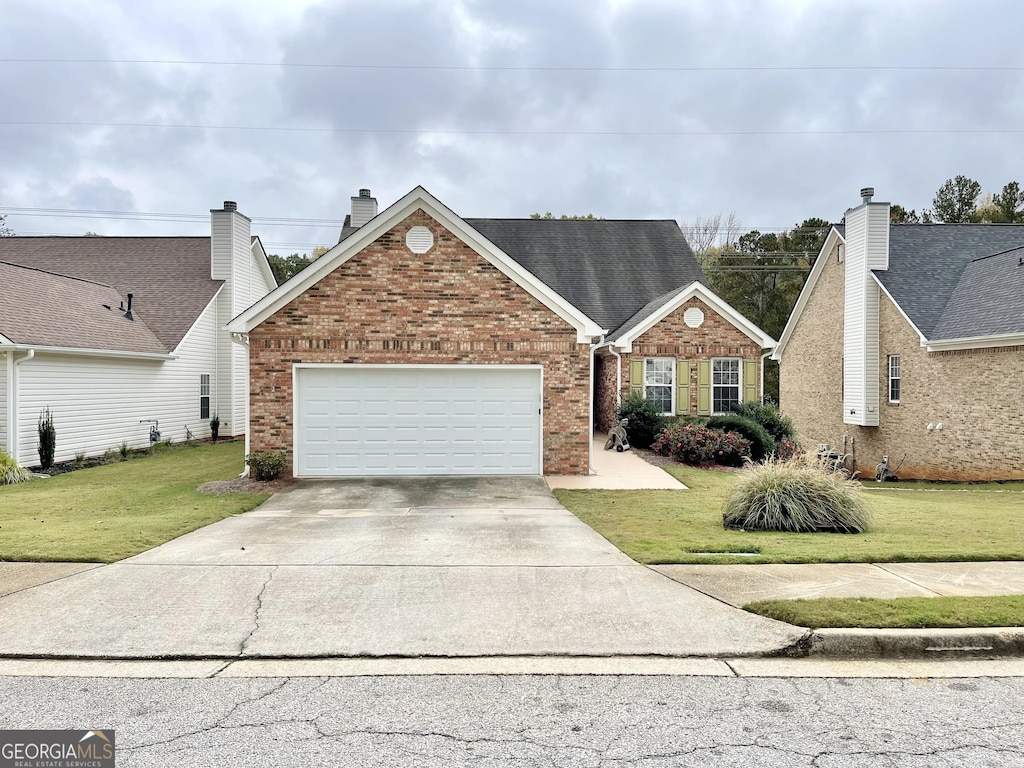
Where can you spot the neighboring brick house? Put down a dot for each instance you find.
(907, 341)
(424, 343)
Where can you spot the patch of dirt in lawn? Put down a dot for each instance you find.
(246, 485)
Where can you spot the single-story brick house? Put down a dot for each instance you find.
(115, 334)
(907, 341)
(424, 343)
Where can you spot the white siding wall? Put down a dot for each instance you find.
(867, 248)
(233, 260)
(3, 400)
(97, 402)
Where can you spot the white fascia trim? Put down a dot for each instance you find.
(975, 342)
(805, 293)
(695, 290)
(899, 309)
(260, 254)
(88, 352)
(586, 329)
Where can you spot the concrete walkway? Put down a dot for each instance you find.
(617, 471)
(410, 567)
(742, 584)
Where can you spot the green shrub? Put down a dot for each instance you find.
(696, 445)
(798, 495)
(79, 459)
(123, 449)
(47, 438)
(11, 472)
(266, 465)
(778, 426)
(645, 421)
(761, 443)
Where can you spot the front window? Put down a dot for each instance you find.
(725, 384)
(894, 378)
(204, 396)
(659, 382)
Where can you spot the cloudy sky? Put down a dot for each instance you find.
(623, 108)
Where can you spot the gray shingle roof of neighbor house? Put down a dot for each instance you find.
(169, 276)
(608, 269)
(51, 310)
(927, 263)
(988, 300)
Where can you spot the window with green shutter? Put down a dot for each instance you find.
(683, 387)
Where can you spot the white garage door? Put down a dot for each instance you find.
(397, 420)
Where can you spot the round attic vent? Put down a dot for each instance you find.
(693, 317)
(419, 239)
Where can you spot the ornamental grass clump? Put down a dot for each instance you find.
(799, 495)
(11, 472)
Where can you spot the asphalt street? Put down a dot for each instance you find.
(488, 720)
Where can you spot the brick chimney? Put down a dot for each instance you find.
(364, 208)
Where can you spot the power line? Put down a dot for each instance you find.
(458, 132)
(273, 221)
(499, 68)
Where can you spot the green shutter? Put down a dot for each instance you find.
(750, 381)
(636, 377)
(682, 387)
(703, 387)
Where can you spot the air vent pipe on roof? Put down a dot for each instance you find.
(128, 312)
(867, 193)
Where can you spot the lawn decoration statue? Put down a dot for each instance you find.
(617, 437)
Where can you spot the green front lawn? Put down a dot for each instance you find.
(111, 512)
(902, 612)
(913, 522)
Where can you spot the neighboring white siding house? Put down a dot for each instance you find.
(110, 333)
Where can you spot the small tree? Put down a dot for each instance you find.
(47, 438)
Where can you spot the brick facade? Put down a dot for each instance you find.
(448, 306)
(974, 394)
(715, 337)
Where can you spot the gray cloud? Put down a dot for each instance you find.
(768, 180)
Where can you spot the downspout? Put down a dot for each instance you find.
(12, 402)
(243, 339)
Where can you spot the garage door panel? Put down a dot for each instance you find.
(390, 420)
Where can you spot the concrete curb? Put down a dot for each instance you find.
(910, 643)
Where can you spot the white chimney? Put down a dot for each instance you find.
(364, 208)
(867, 249)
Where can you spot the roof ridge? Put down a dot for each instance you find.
(111, 237)
(60, 274)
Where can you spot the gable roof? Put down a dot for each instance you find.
(418, 199)
(169, 276)
(988, 300)
(51, 310)
(610, 269)
(928, 261)
(657, 310)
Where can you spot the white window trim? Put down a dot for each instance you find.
(738, 385)
(205, 382)
(672, 387)
(898, 377)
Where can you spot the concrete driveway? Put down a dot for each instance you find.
(383, 567)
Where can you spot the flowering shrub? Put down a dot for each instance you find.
(697, 445)
(788, 449)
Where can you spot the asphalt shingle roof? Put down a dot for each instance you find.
(57, 311)
(608, 269)
(988, 299)
(169, 276)
(927, 261)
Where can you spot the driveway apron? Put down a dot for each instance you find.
(383, 567)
